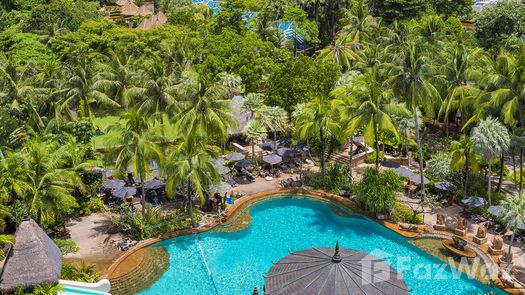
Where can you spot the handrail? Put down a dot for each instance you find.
(206, 264)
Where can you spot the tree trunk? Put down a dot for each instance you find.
(351, 156)
(510, 250)
(521, 170)
(190, 203)
(514, 169)
(489, 184)
(274, 140)
(465, 187)
(501, 170)
(253, 150)
(420, 151)
(321, 154)
(143, 196)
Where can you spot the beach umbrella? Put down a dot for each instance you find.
(284, 152)
(154, 184)
(495, 210)
(123, 192)
(266, 146)
(404, 172)
(272, 159)
(243, 163)
(359, 139)
(390, 164)
(474, 201)
(327, 271)
(416, 178)
(220, 187)
(235, 156)
(113, 183)
(445, 186)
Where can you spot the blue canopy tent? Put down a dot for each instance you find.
(272, 159)
(235, 156)
(404, 172)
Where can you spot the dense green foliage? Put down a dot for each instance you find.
(80, 272)
(403, 213)
(66, 246)
(78, 91)
(503, 22)
(336, 179)
(377, 190)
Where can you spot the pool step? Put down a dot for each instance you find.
(145, 267)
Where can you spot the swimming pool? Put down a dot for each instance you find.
(237, 261)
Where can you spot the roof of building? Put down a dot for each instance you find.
(34, 259)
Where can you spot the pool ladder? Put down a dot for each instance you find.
(206, 264)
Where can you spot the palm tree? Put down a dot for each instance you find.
(15, 85)
(275, 118)
(459, 72)
(464, 157)
(83, 90)
(118, 74)
(415, 85)
(231, 82)
(136, 147)
(344, 51)
(156, 91)
(254, 131)
(490, 139)
(506, 86)
(367, 103)
(513, 216)
(191, 164)
(14, 177)
(317, 119)
(251, 103)
(205, 107)
(51, 183)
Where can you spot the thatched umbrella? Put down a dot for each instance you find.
(327, 271)
(34, 259)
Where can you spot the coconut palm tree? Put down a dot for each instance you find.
(505, 85)
(118, 74)
(254, 131)
(51, 183)
(15, 85)
(251, 103)
(344, 51)
(231, 82)
(191, 165)
(14, 177)
(155, 93)
(465, 158)
(204, 107)
(490, 139)
(459, 72)
(275, 118)
(413, 80)
(513, 216)
(136, 147)
(317, 118)
(83, 90)
(367, 103)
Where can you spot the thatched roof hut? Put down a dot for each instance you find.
(130, 9)
(34, 259)
(154, 21)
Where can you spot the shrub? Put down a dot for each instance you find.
(66, 246)
(153, 223)
(376, 193)
(403, 213)
(96, 205)
(336, 180)
(439, 167)
(371, 158)
(80, 272)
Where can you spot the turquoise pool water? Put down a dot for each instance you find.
(238, 260)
